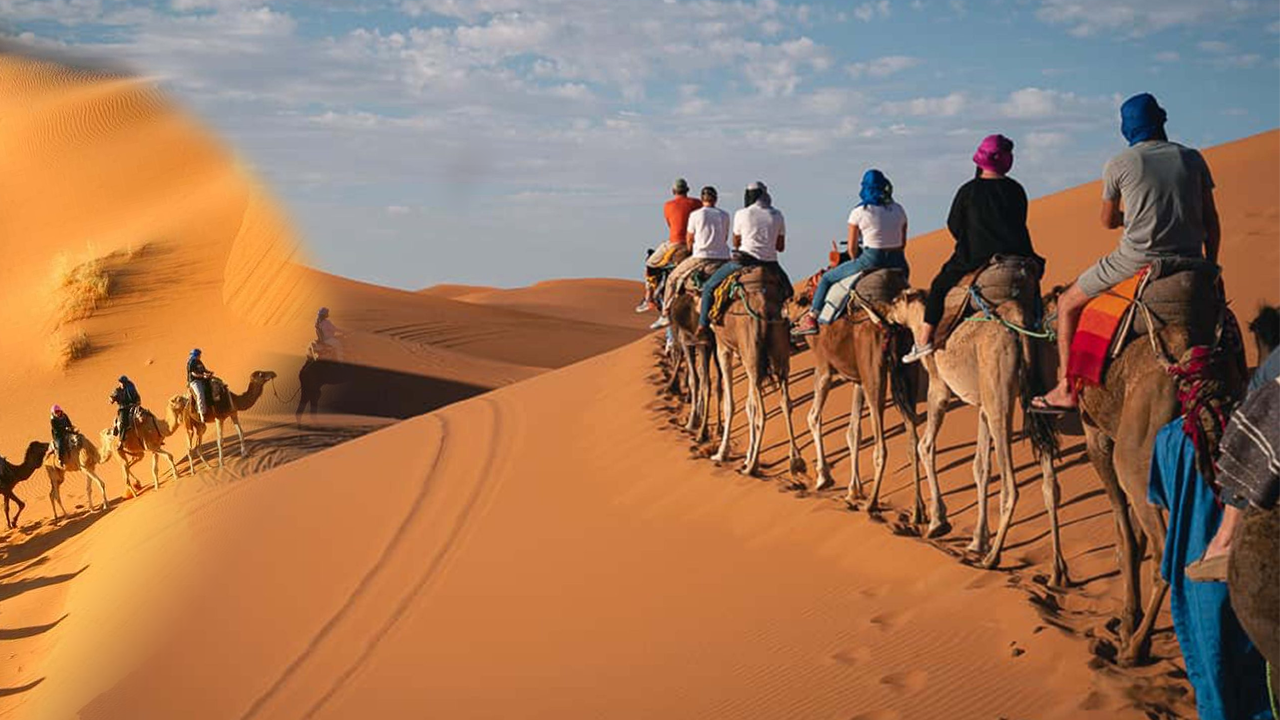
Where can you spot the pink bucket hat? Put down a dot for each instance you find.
(995, 154)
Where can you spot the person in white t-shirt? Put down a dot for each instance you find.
(327, 334)
(878, 229)
(708, 235)
(759, 234)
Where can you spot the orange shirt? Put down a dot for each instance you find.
(677, 212)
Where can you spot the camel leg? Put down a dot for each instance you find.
(702, 379)
(927, 450)
(55, 491)
(1100, 448)
(90, 479)
(155, 470)
(724, 362)
(217, 432)
(821, 386)
(981, 476)
(879, 454)
(690, 363)
(235, 422)
(1052, 495)
(755, 422)
(1151, 520)
(795, 463)
(172, 466)
(853, 438)
(1001, 429)
(9, 495)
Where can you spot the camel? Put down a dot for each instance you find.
(1121, 418)
(82, 456)
(11, 475)
(755, 330)
(314, 375)
(989, 367)
(862, 350)
(228, 407)
(145, 435)
(697, 361)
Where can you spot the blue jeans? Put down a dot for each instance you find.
(709, 290)
(868, 259)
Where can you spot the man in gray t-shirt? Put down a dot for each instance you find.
(1167, 194)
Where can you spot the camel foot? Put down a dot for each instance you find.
(824, 480)
(798, 465)
(977, 546)
(873, 507)
(917, 515)
(1131, 654)
(990, 561)
(938, 528)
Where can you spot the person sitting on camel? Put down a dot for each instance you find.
(708, 235)
(988, 218)
(878, 229)
(327, 334)
(759, 234)
(62, 429)
(126, 399)
(676, 211)
(200, 380)
(1166, 192)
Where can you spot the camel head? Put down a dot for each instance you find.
(261, 377)
(176, 409)
(108, 442)
(907, 309)
(1266, 330)
(36, 451)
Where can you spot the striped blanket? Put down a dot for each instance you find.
(1099, 322)
(722, 296)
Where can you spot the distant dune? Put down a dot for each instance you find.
(552, 548)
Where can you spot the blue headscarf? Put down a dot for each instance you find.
(876, 189)
(1142, 118)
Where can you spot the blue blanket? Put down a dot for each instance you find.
(1226, 670)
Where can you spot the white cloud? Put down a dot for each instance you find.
(1029, 103)
(868, 11)
(398, 210)
(1167, 56)
(1138, 17)
(945, 106)
(1214, 46)
(883, 66)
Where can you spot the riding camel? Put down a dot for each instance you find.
(986, 365)
(315, 373)
(1121, 417)
(862, 349)
(756, 331)
(227, 406)
(146, 434)
(81, 456)
(11, 475)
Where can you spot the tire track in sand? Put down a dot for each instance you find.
(400, 541)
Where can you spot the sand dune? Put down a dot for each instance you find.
(554, 547)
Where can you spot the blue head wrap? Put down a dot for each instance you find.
(1142, 118)
(876, 189)
(195, 352)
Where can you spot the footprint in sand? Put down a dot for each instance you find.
(885, 621)
(906, 682)
(854, 656)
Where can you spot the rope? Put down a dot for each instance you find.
(737, 291)
(989, 315)
(1271, 693)
(277, 393)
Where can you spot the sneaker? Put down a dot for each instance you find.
(660, 323)
(671, 344)
(644, 307)
(918, 352)
(808, 325)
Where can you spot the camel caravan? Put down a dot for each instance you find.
(136, 434)
(1143, 343)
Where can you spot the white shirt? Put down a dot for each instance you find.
(881, 225)
(710, 228)
(759, 228)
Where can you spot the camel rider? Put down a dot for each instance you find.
(63, 429)
(1168, 211)
(327, 335)
(200, 380)
(759, 234)
(127, 399)
(676, 211)
(708, 235)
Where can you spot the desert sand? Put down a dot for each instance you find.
(553, 547)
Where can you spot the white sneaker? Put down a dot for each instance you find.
(660, 323)
(644, 307)
(918, 352)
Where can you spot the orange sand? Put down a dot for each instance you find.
(554, 548)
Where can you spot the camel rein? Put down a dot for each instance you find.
(989, 315)
(739, 291)
(277, 393)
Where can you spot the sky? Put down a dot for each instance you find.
(502, 142)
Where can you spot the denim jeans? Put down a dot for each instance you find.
(709, 290)
(868, 259)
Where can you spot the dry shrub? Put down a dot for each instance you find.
(82, 288)
(70, 347)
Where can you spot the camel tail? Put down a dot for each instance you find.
(902, 380)
(1039, 429)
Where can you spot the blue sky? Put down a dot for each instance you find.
(507, 141)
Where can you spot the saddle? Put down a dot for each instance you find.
(1003, 279)
(871, 290)
(1178, 292)
(750, 276)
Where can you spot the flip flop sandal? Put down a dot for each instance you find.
(1040, 406)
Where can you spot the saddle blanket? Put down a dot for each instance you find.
(1097, 329)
